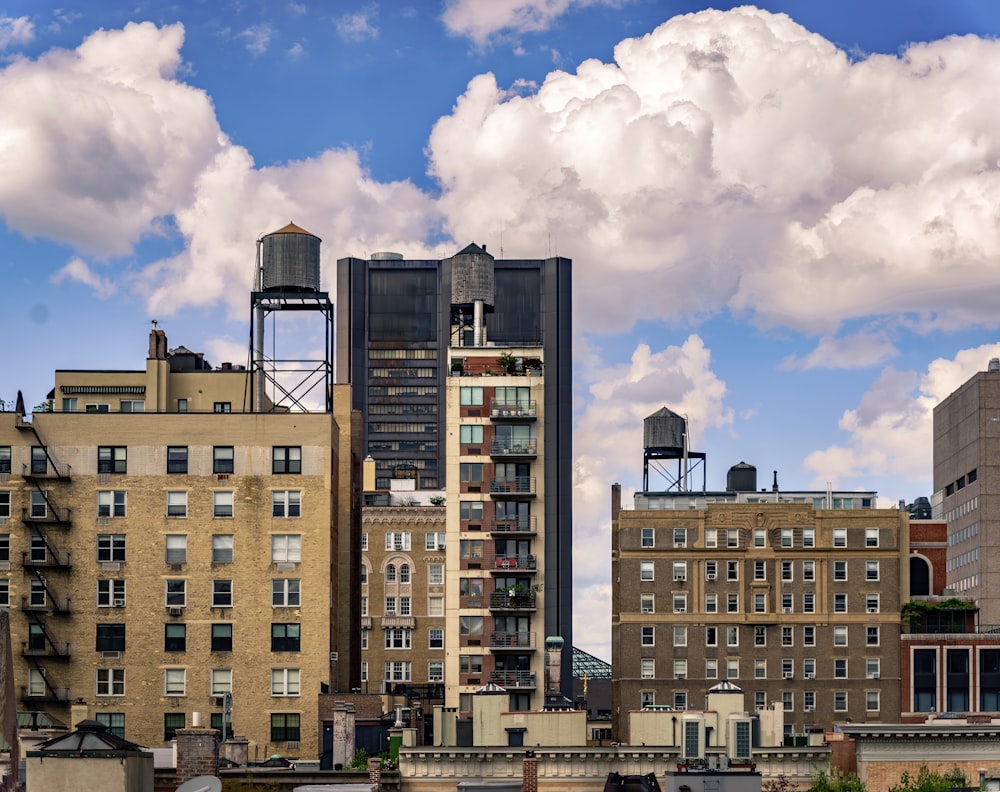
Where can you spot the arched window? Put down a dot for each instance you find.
(404, 573)
(390, 573)
(920, 576)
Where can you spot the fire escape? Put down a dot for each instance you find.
(46, 603)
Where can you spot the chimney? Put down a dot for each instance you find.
(774, 486)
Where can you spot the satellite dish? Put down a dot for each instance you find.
(201, 784)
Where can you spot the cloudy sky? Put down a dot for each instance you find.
(783, 219)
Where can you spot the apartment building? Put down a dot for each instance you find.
(167, 552)
(792, 596)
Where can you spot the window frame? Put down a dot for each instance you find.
(177, 460)
(219, 641)
(286, 637)
(222, 593)
(286, 460)
(110, 682)
(223, 459)
(112, 459)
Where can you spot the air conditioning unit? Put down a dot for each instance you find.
(111, 566)
(788, 675)
(103, 520)
(647, 610)
(679, 544)
(786, 610)
(809, 708)
(681, 609)
(680, 676)
(680, 578)
(119, 603)
(709, 576)
(175, 611)
(873, 610)
(111, 655)
(810, 675)
(876, 676)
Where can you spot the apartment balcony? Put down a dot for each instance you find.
(517, 525)
(513, 411)
(513, 488)
(505, 601)
(60, 606)
(517, 563)
(31, 697)
(521, 641)
(47, 650)
(47, 472)
(510, 680)
(505, 448)
(57, 560)
(58, 517)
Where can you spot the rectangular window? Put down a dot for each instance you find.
(110, 637)
(711, 636)
(174, 637)
(176, 593)
(177, 504)
(222, 459)
(222, 593)
(110, 593)
(285, 681)
(680, 668)
(873, 667)
(787, 602)
(871, 570)
(177, 459)
(647, 668)
(680, 537)
(222, 637)
(398, 540)
(732, 636)
(840, 537)
(646, 537)
(174, 681)
(285, 637)
(840, 570)
(871, 537)
(172, 721)
(222, 407)
(111, 682)
(222, 504)
(760, 668)
(808, 537)
(286, 548)
(4, 503)
(222, 548)
(399, 671)
(809, 635)
(182, 405)
(840, 603)
(646, 570)
(732, 603)
(435, 606)
(176, 549)
(435, 574)
(286, 459)
(435, 670)
(809, 603)
(840, 668)
(680, 636)
(711, 570)
(787, 700)
(732, 537)
(809, 668)
(872, 703)
(840, 635)
(470, 397)
(872, 602)
(872, 636)
(759, 537)
(760, 699)
(285, 593)
(470, 434)
(732, 668)
(759, 570)
(111, 503)
(4, 459)
(39, 461)
(435, 540)
(711, 537)
(760, 635)
(840, 701)
(286, 503)
(786, 537)
(711, 668)
(110, 547)
(759, 603)
(732, 570)
(114, 722)
(39, 505)
(112, 459)
(680, 603)
(647, 635)
(787, 636)
(711, 603)
(398, 638)
(364, 542)
(222, 681)
(435, 638)
(808, 570)
(680, 571)
(467, 510)
(470, 472)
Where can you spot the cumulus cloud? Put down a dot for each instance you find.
(860, 350)
(480, 21)
(359, 26)
(77, 270)
(15, 30)
(891, 428)
(607, 445)
(736, 161)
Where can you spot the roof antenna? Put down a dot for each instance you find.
(501, 242)
(774, 487)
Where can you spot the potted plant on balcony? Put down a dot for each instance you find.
(457, 367)
(507, 363)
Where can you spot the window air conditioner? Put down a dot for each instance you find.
(103, 521)
(111, 655)
(647, 610)
(678, 544)
(788, 675)
(786, 610)
(119, 603)
(809, 708)
(679, 578)
(175, 611)
(681, 609)
(873, 610)
(810, 675)
(875, 676)
(680, 676)
(710, 576)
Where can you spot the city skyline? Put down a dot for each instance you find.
(781, 226)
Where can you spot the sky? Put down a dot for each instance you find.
(782, 218)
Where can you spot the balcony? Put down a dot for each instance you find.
(516, 525)
(514, 487)
(32, 697)
(62, 518)
(513, 411)
(517, 601)
(520, 563)
(58, 607)
(50, 472)
(513, 679)
(57, 560)
(520, 641)
(506, 448)
(47, 650)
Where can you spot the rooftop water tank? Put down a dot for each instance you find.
(472, 276)
(290, 260)
(741, 478)
(664, 429)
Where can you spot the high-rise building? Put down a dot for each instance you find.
(967, 488)
(460, 368)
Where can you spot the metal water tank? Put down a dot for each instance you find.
(741, 478)
(472, 276)
(290, 260)
(664, 429)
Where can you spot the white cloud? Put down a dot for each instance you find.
(607, 447)
(860, 350)
(891, 429)
(76, 269)
(15, 30)
(481, 21)
(359, 26)
(258, 38)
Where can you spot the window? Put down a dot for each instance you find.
(470, 433)
(40, 461)
(680, 537)
(787, 700)
(732, 668)
(222, 459)
(680, 668)
(840, 701)
(787, 637)
(110, 593)
(680, 571)
(222, 637)
(110, 459)
(285, 727)
(711, 636)
(809, 668)
(285, 637)
(840, 570)
(759, 603)
(398, 540)
(711, 668)
(404, 606)
(872, 636)
(4, 503)
(435, 540)
(222, 504)
(786, 537)
(398, 638)
(711, 570)
(176, 592)
(711, 537)
(39, 506)
(222, 681)
(435, 638)
(840, 668)
(4, 459)
(871, 537)
(732, 537)
(399, 671)
(760, 699)
(39, 550)
(36, 594)
(177, 459)
(364, 542)
(435, 574)
(647, 668)
(404, 573)
(680, 636)
(760, 668)
(872, 602)
(286, 459)
(808, 537)
(840, 537)
(470, 397)
(787, 603)
(840, 603)
(182, 405)
(114, 722)
(873, 667)
(759, 537)
(285, 681)
(759, 570)
(110, 681)
(222, 548)
(435, 606)
(176, 548)
(174, 637)
(809, 603)
(110, 547)
(222, 593)
(647, 698)
(787, 575)
(470, 472)
(711, 603)
(174, 681)
(222, 407)
(840, 635)
(760, 635)
(732, 603)
(646, 537)
(647, 635)
(285, 593)
(435, 671)
(871, 570)
(646, 570)
(872, 701)
(732, 636)
(680, 603)
(110, 637)
(470, 625)
(808, 570)
(177, 504)
(286, 503)
(467, 664)
(286, 548)
(467, 510)
(111, 503)
(172, 721)
(809, 635)
(732, 570)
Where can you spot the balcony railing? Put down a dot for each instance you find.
(519, 640)
(502, 600)
(61, 606)
(49, 516)
(519, 409)
(515, 525)
(518, 562)
(513, 679)
(505, 447)
(58, 560)
(45, 696)
(513, 486)
(49, 650)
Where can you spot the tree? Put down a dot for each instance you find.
(835, 781)
(930, 781)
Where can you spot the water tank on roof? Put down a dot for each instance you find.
(741, 478)
(386, 255)
(290, 260)
(664, 429)
(472, 277)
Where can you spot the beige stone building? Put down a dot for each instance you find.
(165, 547)
(792, 596)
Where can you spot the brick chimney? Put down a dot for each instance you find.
(529, 773)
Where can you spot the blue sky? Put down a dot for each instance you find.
(783, 217)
